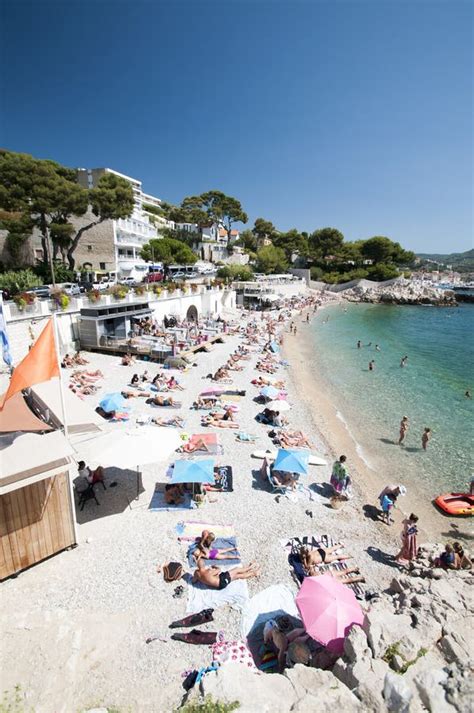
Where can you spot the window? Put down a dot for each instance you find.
(121, 252)
(101, 265)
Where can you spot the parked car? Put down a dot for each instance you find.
(104, 284)
(191, 275)
(180, 275)
(71, 288)
(130, 281)
(41, 292)
(153, 277)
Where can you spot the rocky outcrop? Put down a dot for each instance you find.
(411, 655)
(401, 292)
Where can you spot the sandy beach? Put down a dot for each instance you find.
(74, 627)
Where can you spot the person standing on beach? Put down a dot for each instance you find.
(403, 361)
(403, 429)
(307, 318)
(409, 548)
(372, 365)
(425, 438)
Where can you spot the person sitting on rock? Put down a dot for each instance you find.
(447, 559)
(461, 559)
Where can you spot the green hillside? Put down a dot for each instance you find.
(462, 262)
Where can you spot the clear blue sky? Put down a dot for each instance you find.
(355, 114)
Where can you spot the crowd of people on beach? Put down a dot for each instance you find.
(261, 339)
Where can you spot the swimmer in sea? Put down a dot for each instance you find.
(371, 365)
(377, 348)
(359, 344)
(468, 394)
(403, 429)
(425, 438)
(403, 361)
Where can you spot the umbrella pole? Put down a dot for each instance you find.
(138, 483)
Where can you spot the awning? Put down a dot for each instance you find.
(32, 457)
(16, 416)
(81, 418)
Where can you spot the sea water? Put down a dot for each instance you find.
(430, 389)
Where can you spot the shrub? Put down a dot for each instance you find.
(60, 299)
(139, 289)
(210, 706)
(14, 281)
(244, 273)
(23, 299)
(119, 292)
(94, 295)
(157, 290)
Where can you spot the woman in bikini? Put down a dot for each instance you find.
(204, 549)
(321, 555)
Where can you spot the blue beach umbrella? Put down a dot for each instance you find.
(113, 402)
(269, 392)
(292, 461)
(274, 347)
(190, 471)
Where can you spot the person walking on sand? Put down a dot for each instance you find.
(403, 429)
(372, 365)
(409, 548)
(425, 438)
(307, 318)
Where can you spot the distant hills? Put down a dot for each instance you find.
(462, 262)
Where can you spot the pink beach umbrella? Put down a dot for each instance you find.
(328, 609)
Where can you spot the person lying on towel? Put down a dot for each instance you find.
(215, 578)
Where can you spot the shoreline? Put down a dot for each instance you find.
(336, 433)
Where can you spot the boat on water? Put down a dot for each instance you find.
(457, 504)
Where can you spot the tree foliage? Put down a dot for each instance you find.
(15, 281)
(291, 242)
(263, 229)
(381, 249)
(212, 207)
(325, 242)
(168, 251)
(271, 259)
(243, 273)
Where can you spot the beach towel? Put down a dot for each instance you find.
(220, 543)
(224, 481)
(210, 439)
(158, 503)
(236, 595)
(229, 398)
(188, 531)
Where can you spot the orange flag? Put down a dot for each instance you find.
(40, 364)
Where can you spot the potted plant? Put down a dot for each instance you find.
(94, 295)
(24, 299)
(119, 292)
(171, 287)
(157, 290)
(194, 287)
(60, 299)
(139, 289)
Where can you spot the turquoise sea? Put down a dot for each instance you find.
(430, 390)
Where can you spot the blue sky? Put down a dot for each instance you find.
(355, 114)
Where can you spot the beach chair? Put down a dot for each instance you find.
(266, 471)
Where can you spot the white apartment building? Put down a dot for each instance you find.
(130, 234)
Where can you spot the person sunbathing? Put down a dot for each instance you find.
(175, 421)
(214, 578)
(174, 494)
(160, 400)
(206, 402)
(293, 439)
(67, 362)
(173, 384)
(205, 550)
(135, 394)
(128, 359)
(211, 421)
(278, 634)
(287, 480)
(193, 446)
(321, 555)
(220, 374)
(79, 359)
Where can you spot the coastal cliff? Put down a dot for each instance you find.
(401, 292)
(411, 655)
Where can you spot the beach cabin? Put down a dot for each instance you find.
(37, 515)
(110, 325)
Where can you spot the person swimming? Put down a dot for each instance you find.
(371, 365)
(403, 361)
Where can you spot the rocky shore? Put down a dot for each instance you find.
(400, 292)
(411, 655)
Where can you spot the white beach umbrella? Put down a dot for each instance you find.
(278, 405)
(130, 448)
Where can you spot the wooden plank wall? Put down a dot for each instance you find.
(35, 522)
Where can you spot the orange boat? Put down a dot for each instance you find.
(456, 503)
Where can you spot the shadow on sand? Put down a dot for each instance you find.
(112, 500)
(379, 555)
(372, 512)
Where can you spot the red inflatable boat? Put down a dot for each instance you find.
(456, 503)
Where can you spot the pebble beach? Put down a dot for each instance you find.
(75, 626)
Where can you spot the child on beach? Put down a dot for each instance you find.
(388, 501)
(409, 548)
(425, 438)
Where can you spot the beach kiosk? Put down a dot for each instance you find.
(37, 516)
(109, 326)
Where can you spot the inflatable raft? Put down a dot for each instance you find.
(456, 503)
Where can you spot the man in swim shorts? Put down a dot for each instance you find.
(215, 578)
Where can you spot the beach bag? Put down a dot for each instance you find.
(172, 571)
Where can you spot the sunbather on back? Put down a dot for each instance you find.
(215, 578)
